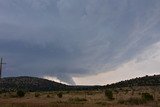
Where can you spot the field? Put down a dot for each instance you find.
(122, 97)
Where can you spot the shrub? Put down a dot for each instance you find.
(116, 91)
(20, 93)
(147, 97)
(48, 96)
(13, 95)
(126, 91)
(60, 95)
(109, 94)
(37, 95)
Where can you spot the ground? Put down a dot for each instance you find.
(83, 98)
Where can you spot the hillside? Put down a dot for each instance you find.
(141, 81)
(127, 93)
(39, 84)
(29, 84)
(36, 84)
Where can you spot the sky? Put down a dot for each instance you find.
(83, 42)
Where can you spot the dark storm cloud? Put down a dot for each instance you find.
(66, 38)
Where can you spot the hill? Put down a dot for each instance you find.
(129, 93)
(29, 84)
(141, 81)
(39, 84)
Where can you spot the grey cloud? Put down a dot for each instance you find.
(67, 38)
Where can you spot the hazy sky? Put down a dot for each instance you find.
(80, 41)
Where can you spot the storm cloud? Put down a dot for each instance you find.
(74, 38)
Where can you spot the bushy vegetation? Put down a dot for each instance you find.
(147, 97)
(37, 94)
(141, 81)
(137, 101)
(30, 84)
(48, 96)
(20, 93)
(109, 94)
(60, 95)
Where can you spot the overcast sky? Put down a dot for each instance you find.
(80, 41)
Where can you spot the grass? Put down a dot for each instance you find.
(81, 98)
(101, 103)
(77, 100)
(132, 101)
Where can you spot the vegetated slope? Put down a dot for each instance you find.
(37, 84)
(141, 81)
(29, 84)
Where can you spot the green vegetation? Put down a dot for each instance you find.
(34, 84)
(141, 81)
(147, 97)
(109, 94)
(20, 93)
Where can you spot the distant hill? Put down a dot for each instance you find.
(36, 84)
(39, 84)
(141, 81)
(29, 84)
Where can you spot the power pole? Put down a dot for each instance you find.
(1, 66)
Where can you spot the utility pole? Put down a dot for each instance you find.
(1, 66)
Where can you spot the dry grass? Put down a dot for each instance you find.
(79, 98)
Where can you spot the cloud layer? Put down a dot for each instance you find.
(146, 63)
(68, 38)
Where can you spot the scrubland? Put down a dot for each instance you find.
(120, 97)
